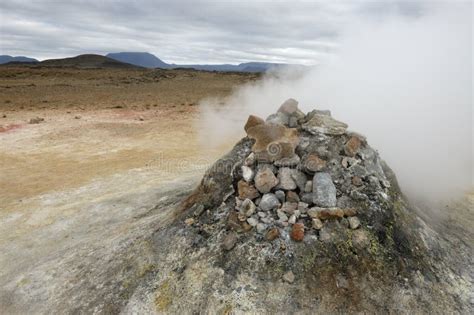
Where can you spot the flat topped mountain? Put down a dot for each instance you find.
(86, 61)
(142, 59)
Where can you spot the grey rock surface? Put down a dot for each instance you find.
(324, 191)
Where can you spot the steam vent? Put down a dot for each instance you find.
(302, 216)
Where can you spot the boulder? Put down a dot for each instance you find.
(265, 180)
(289, 107)
(324, 124)
(253, 121)
(273, 142)
(324, 191)
(269, 202)
(285, 179)
(246, 191)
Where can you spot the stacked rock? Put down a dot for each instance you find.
(302, 171)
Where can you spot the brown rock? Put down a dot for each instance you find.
(350, 212)
(273, 142)
(354, 222)
(313, 163)
(272, 234)
(233, 222)
(317, 224)
(253, 121)
(289, 277)
(189, 221)
(357, 181)
(289, 106)
(352, 146)
(292, 196)
(325, 213)
(229, 241)
(247, 191)
(297, 232)
(289, 207)
(265, 180)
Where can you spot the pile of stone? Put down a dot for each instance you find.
(304, 170)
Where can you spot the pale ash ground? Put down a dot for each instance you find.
(70, 186)
(78, 196)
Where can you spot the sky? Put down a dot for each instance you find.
(188, 32)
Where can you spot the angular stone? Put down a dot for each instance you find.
(233, 222)
(324, 124)
(289, 277)
(229, 241)
(272, 234)
(324, 191)
(291, 196)
(252, 221)
(308, 187)
(250, 159)
(354, 222)
(307, 198)
(247, 173)
(312, 163)
(253, 121)
(282, 217)
(357, 181)
(285, 179)
(352, 146)
(289, 207)
(280, 195)
(246, 191)
(299, 179)
(261, 228)
(273, 142)
(349, 212)
(297, 232)
(289, 107)
(247, 208)
(359, 171)
(269, 202)
(265, 180)
(302, 207)
(292, 219)
(325, 213)
(278, 118)
(189, 221)
(317, 224)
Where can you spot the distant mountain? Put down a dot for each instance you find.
(7, 58)
(142, 59)
(86, 61)
(148, 60)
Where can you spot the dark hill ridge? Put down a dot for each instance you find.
(86, 61)
(147, 60)
(7, 59)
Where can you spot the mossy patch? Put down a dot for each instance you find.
(164, 296)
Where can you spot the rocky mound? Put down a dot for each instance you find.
(301, 216)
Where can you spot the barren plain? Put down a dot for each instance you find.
(113, 143)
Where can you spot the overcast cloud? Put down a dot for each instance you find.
(184, 32)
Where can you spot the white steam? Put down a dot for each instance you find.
(404, 83)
